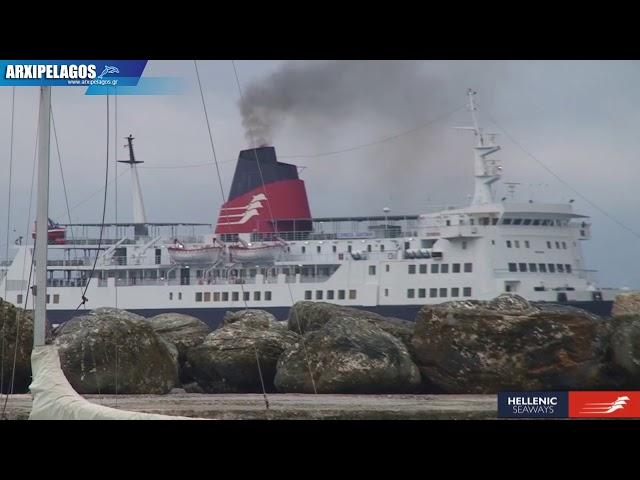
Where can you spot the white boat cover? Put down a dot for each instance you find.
(55, 399)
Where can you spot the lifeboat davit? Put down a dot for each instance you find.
(252, 252)
(196, 254)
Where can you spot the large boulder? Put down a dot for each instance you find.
(117, 313)
(308, 316)
(625, 349)
(251, 317)
(182, 332)
(107, 353)
(15, 323)
(347, 355)
(626, 304)
(508, 343)
(228, 359)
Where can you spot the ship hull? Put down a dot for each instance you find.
(213, 316)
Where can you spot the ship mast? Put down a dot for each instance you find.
(486, 170)
(139, 216)
(42, 215)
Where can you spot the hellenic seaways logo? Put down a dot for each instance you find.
(533, 404)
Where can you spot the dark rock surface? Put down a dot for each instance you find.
(109, 351)
(182, 332)
(15, 321)
(308, 316)
(508, 343)
(346, 355)
(226, 361)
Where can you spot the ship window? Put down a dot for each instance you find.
(557, 244)
(506, 221)
(256, 296)
(435, 268)
(513, 267)
(542, 267)
(448, 223)
(538, 289)
(560, 268)
(207, 296)
(552, 268)
(444, 268)
(216, 296)
(330, 294)
(56, 297)
(179, 295)
(517, 221)
(466, 292)
(372, 269)
(412, 269)
(517, 243)
(494, 221)
(422, 292)
(19, 299)
(386, 292)
(368, 248)
(335, 249)
(225, 296)
(527, 221)
(411, 293)
(464, 244)
(567, 267)
(423, 268)
(443, 292)
(341, 294)
(455, 268)
(48, 298)
(170, 295)
(471, 222)
(493, 242)
(318, 294)
(352, 294)
(527, 244)
(536, 222)
(304, 249)
(533, 267)
(319, 249)
(549, 245)
(349, 248)
(522, 267)
(267, 296)
(245, 296)
(564, 245)
(198, 296)
(508, 243)
(433, 292)
(455, 292)
(307, 294)
(387, 267)
(468, 267)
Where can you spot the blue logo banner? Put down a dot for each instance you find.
(533, 404)
(99, 77)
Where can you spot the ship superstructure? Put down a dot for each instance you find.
(267, 251)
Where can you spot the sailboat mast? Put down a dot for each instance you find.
(42, 218)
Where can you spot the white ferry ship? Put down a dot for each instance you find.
(268, 252)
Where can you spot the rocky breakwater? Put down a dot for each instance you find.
(508, 343)
(241, 355)
(16, 342)
(114, 351)
(345, 350)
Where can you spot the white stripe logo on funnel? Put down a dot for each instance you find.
(250, 210)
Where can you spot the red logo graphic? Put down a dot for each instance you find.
(604, 404)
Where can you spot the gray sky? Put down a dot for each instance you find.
(580, 118)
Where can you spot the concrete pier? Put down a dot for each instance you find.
(292, 406)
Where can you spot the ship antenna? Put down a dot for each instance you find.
(471, 93)
(139, 216)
